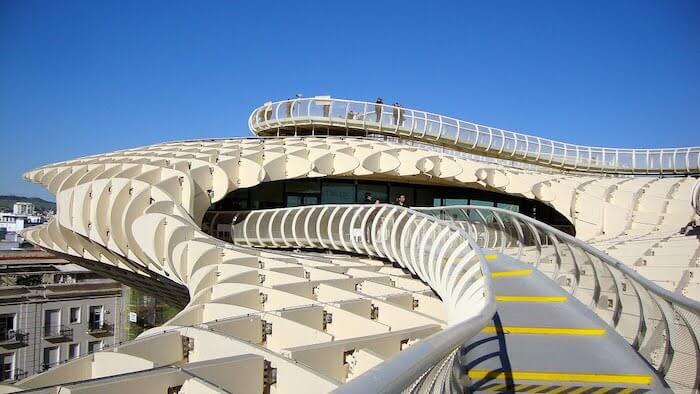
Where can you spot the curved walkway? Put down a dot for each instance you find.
(317, 115)
(533, 312)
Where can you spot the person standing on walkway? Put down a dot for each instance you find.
(401, 201)
(378, 109)
(396, 112)
(289, 107)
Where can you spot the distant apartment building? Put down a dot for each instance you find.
(23, 215)
(23, 208)
(52, 311)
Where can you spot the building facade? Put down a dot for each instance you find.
(23, 208)
(360, 247)
(51, 312)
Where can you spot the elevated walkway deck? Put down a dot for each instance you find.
(544, 340)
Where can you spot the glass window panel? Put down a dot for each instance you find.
(533, 146)
(234, 201)
(408, 117)
(610, 160)
(509, 143)
(294, 200)
(596, 158)
(356, 111)
(484, 137)
(337, 192)
(667, 162)
(277, 111)
(693, 160)
(456, 201)
(425, 198)
(654, 161)
(467, 133)
(558, 153)
(571, 155)
(267, 195)
(369, 192)
(481, 203)
(387, 118)
(625, 159)
(340, 109)
(304, 186)
(508, 206)
(449, 129)
(419, 119)
(433, 126)
(640, 159)
(497, 141)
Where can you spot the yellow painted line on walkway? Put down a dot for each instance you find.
(579, 390)
(537, 389)
(559, 390)
(491, 256)
(504, 274)
(515, 298)
(602, 390)
(627, 390)
(544, 330)
(495, 388)
(563, 376)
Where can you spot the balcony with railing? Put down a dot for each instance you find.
(99, 328)
(12, 375)
(19, 374)
(323, 115)
(13, 338)
(57, 332)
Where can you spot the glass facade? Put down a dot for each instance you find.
(300, 192)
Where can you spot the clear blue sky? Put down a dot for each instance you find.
(82, 78)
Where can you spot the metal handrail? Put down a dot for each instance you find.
(362, 117)
(406, 237)
(666, 329)
(695, 197)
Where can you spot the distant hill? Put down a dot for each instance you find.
(6, 203)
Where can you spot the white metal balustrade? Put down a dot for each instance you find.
(664, 327)
(321, 113)
(438, 252)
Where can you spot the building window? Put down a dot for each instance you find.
(7, 326)
(73, 350)
(75, 315)
(52, 355)
(96, 317)
(52, 322)
(267, 195)
(7, 367)
(94, 346)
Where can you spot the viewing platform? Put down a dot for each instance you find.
(323, 115)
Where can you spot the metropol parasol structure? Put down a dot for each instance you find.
(512, 264)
